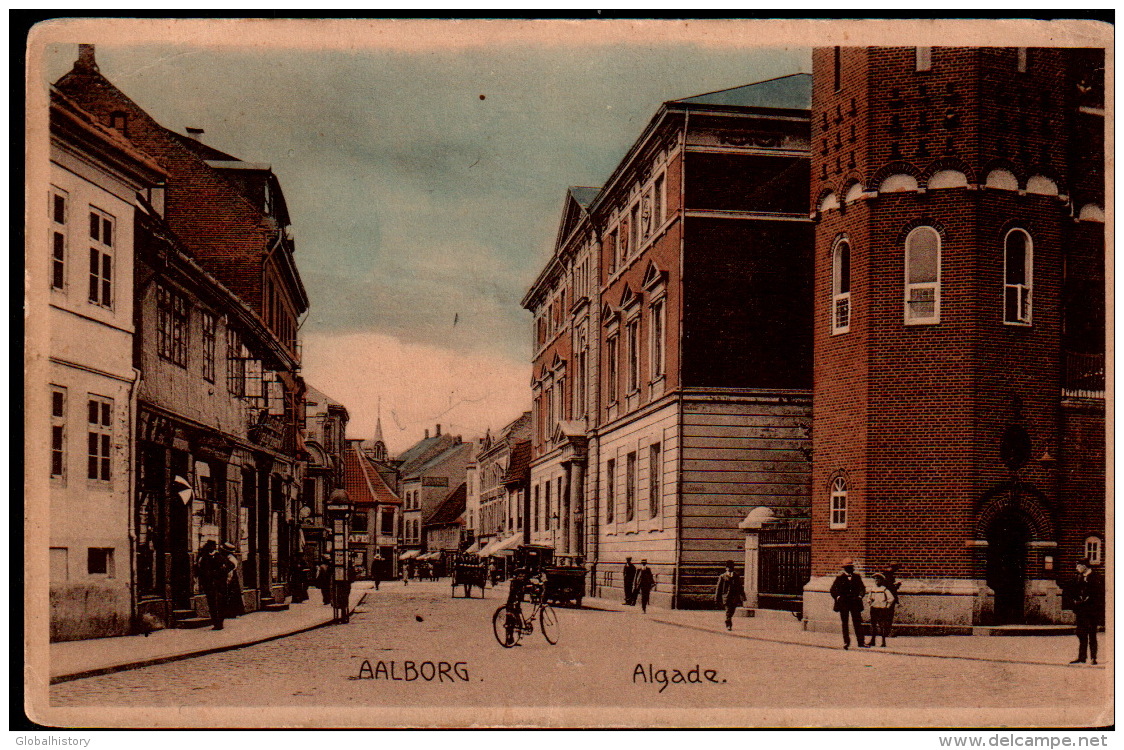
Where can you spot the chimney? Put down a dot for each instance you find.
(427, 433)
(195, 133)
(86, 59)
(438, 430)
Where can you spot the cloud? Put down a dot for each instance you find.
(420, 386)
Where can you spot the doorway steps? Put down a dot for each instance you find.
(1024, 630)
(272, 605)
(188, 618)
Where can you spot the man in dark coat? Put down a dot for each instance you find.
(376, 571)
(235, 607)
(729, 593)
(1088, 599)
(890, 579)
(645, 582)
(213, 569)
(629, 582)
(848, 591)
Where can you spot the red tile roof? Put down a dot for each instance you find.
(364, 485)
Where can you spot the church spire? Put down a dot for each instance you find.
(379, 445)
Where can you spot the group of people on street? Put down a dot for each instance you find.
(638, 583)
(850, 595)
(216, 568)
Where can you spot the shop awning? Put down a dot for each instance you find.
(474, 549)
(409, 554)
(497, 546)
(429, 556)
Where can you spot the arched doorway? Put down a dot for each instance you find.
(1007, 538)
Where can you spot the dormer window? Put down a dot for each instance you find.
(118, 121)
(267, 201)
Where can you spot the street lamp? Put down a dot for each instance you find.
(339, 515)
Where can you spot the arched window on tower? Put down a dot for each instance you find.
(1018, 268)
(923, 276)
(838, 518)
(841, 288)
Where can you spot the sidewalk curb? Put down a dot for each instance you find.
(56, 679)
(869, 650)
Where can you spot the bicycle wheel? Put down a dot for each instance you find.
(506, 633)
(548, 622)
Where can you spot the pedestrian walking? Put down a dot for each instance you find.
(848, 590)
(645, 581)
(234, 606)
(1088, 602)
(376, 571)
(880, 600)
(729, 593)
(629, 582)
(324, 579)
(299, 578)
(406, 573)
(213, 570)
(890, 575)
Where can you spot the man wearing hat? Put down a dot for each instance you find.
(848, 591)
(729, 593)
(234, 605)
(645, 582)
(1088, 598)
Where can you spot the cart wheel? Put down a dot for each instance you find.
(506, 633)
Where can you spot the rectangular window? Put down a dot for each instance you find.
(546, 508)
(657, 346)
(536, 509)
(58, 432)
(171, 325)
(613, 346)
(99, 561)
(630, 486)
(388, 523)
(359, 522)
(610, 490)
(613, 251)
(99, 438)
(58, 210)
(655, 468)
(579, 382)
(1017, 275)
(210, 328)
(634, 229)
(923, 58)
(101, 259)
(658, 197)
(235, 364)
(841, 289)
(633, 343)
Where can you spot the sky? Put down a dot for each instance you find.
(424, 167)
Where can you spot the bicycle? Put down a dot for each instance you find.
(511, 625)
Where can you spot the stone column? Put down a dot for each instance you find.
(577, 504)
(752, 525)
(564, 508)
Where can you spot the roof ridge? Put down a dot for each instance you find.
(742, 86)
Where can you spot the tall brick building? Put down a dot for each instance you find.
(672, 361)
(959, 326)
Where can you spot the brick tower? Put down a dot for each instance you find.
(959, 327)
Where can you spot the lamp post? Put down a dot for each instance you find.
(339, 515)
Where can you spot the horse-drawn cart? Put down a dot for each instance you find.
(468, 571)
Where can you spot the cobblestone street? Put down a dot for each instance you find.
(599, 661)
